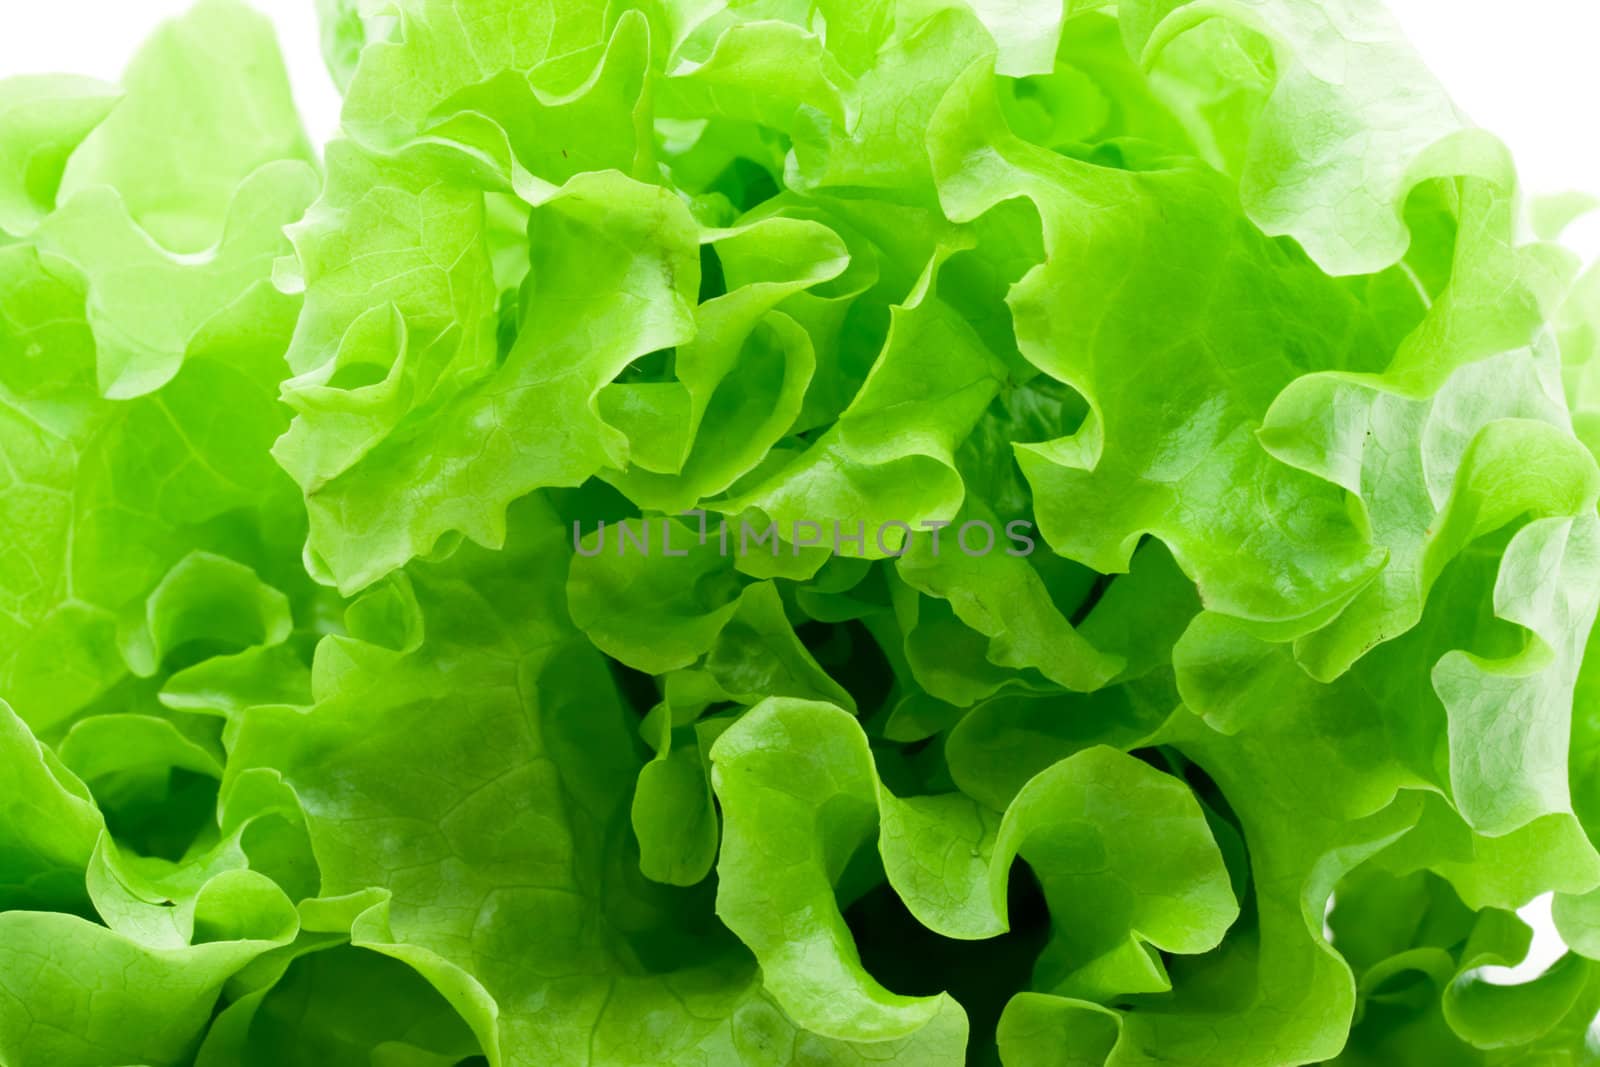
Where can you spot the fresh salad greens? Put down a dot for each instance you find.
(791, 532)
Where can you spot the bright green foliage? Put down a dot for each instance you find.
(378, 685)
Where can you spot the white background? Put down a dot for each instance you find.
(1526, 71)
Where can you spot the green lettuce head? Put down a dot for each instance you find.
(789, 534)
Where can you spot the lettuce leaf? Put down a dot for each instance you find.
(781, 534)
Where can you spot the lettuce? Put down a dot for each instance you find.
(855, 532)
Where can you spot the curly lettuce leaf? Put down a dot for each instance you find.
(379, 685)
